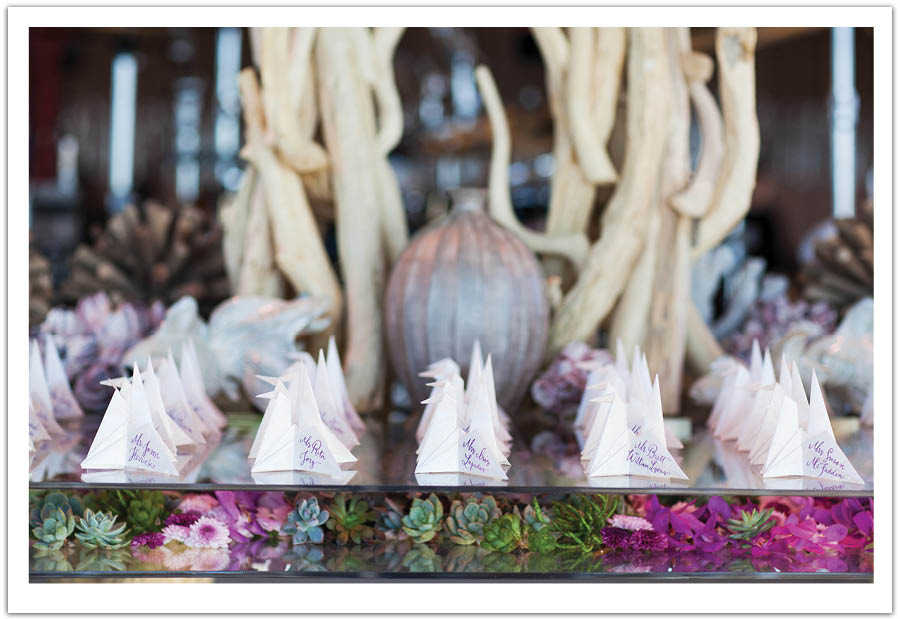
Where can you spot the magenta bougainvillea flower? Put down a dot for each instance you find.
(151, 540)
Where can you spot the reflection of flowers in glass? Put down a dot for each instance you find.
(208, 559)
(208, 533)
(200, 503)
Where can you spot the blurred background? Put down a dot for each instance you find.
(121, 115)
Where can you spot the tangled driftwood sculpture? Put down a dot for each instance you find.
(662, 215)
(339, 79)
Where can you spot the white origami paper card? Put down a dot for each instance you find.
(489, 398)
(446, 416)
(109, 446)
(176, 403)
(148, 447)
(812, 452)
(195, 391)
(336, 373)
(65, 406)
(473, 450)
(39, 392)
(748, 428)
(168, 427)
(331, 407)
(621, 451)
(442, 372)
(295, 437)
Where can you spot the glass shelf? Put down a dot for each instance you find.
(386, 463)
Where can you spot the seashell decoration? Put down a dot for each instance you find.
(463, 279)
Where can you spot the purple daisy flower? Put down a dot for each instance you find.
(208, 533)
(614, 537)
(184, 520)
(644, 539)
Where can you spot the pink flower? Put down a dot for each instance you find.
(198, 503)
(630, 523)
(176, 532)
(208, 533)
(272, 518)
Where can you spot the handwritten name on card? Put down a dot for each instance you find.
(824, 460)
(140, 451)
(475, 458)
(311, 453)
(648, 457)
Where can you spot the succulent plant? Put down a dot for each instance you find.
(304, 559)
(350, 520)
(98, 530)
(542, 540)
(55, 527)
(421, 558)
(424, 520)
(141, 510)
(751, 524)
(46, 560)
(579, 520)
(534, 516)
(466, 521)
(504, 534)
(42, 506)
(390, 521)
(102, 560)
(305, 521)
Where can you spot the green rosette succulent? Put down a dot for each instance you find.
(350, 520)
(421, 558)
(542, 540)
(504, 534)
(46, 560)
(142, 510)
(424, 520)
(466, 521)
(102, 560)
(751, 524)
(56, 525)
(390, 521)
(99, 530)
(44, 505)
(534, 516)
(305, 522)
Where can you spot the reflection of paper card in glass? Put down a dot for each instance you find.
(635, 482)
(457, 479)
(302, 478)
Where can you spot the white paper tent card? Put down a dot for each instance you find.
(336, 374)
(36, 430)
(39, 392)
(65, 406)
(472, 451)
(149, 447)
(195, 391)
(177, 437)
(331, 406)
(176, 403)
(295, 437)
(442, 372)
(621, 448)
(811, 452)
(108, 449)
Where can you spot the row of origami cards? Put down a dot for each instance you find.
(462, 431)
(50, 398)
(156, 423)
(619, 422)
(310, 424)
(773, 421)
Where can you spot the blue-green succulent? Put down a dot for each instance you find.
(304, 523)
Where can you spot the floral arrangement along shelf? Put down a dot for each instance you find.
(101, 532)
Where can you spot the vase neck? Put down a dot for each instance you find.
(467, 199)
